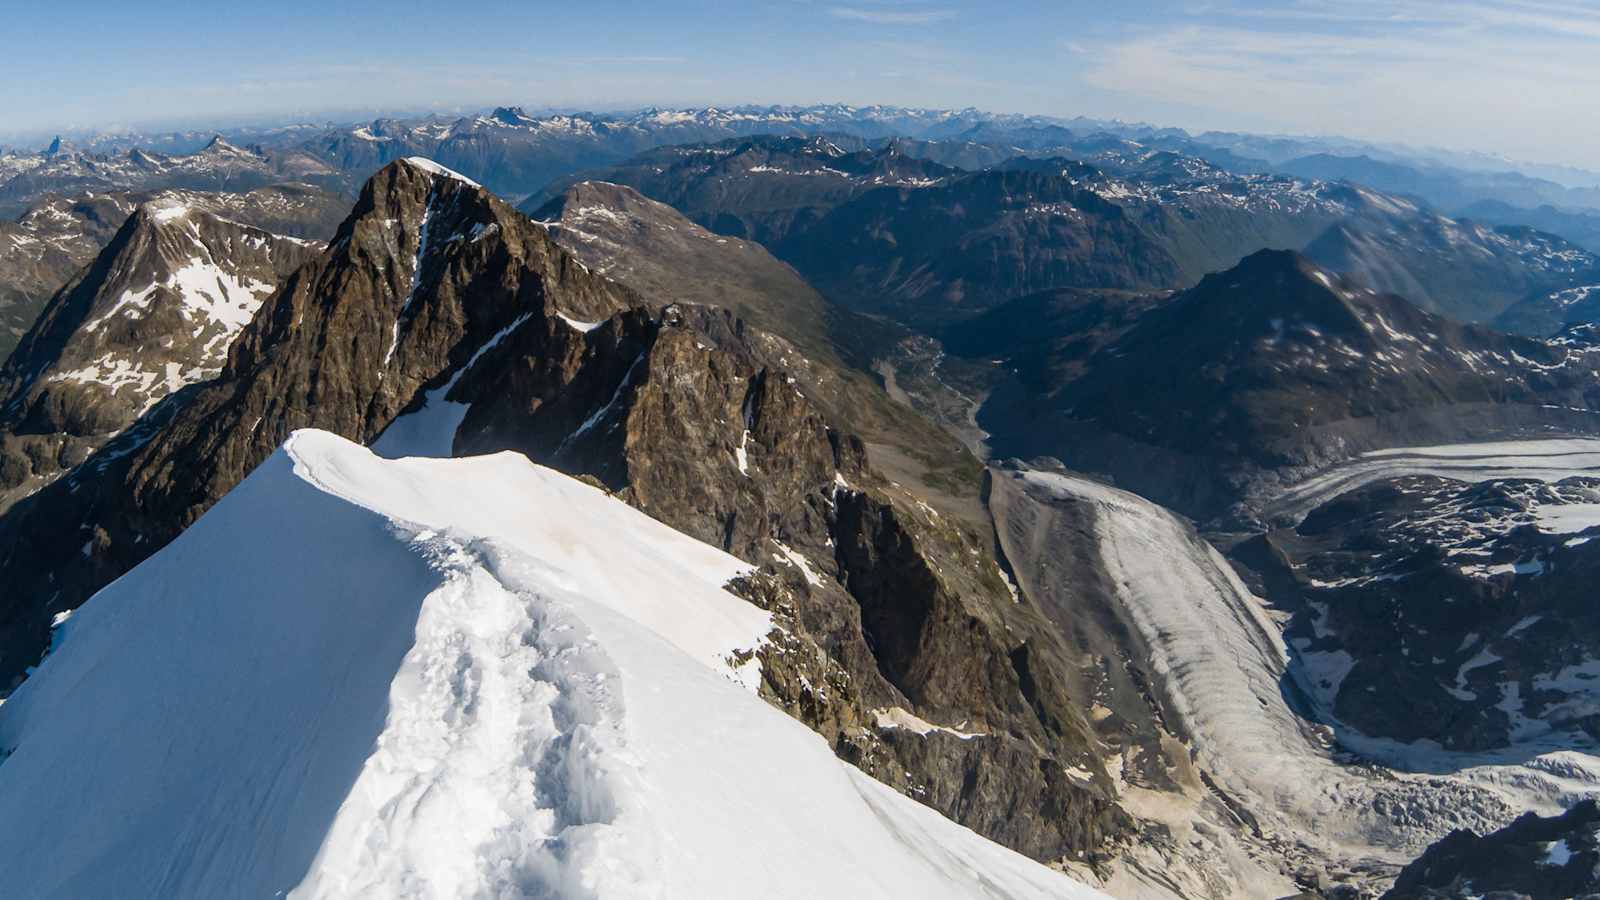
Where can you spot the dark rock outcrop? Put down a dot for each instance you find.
(665, 257)
(1440, 610)
(1533, 858)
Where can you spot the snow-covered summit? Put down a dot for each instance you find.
(433, 168)
(441, 678)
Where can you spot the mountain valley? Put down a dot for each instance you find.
(793, 501)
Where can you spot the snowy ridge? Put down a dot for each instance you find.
(442, 678)
(433, 168)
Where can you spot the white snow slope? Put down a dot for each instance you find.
(361, 678)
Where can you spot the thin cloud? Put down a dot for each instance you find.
(1517, 65)
(892, 16)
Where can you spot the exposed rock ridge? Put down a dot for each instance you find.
(435, 296)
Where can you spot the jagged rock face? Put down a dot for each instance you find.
(155, 312)
(435, 293)
(885, 605)
(661, 254)
(680, 414)
(1533, 858)
(344, 344)
(1273, 368)
(1430, 608)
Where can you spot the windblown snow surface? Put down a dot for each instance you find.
(1224, 662)
(364, 678)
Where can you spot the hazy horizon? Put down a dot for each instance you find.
(1495, 78)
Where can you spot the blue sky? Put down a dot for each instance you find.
(1518, 77)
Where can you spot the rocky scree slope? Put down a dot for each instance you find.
(441, 321)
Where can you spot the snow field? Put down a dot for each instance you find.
(428, 678)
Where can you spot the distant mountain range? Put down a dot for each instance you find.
(495, 147)
(1216, 395)
(887, 232)
(1252, 557)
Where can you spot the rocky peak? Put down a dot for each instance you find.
(440, 320)
(426, 270)
(155, 312)
(510, 115)
(219, 145)
(420, 232)
(141, 157)
(1282, 295)
(601, 197)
